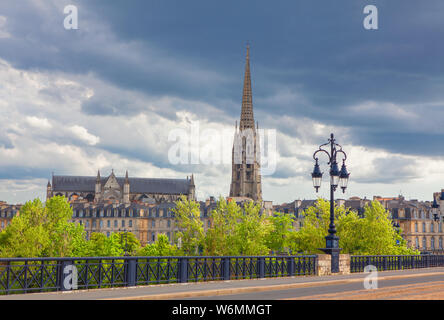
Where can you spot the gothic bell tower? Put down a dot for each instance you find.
(245, 174)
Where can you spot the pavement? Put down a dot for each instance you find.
(407, 284)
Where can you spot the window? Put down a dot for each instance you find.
(416, 226)
(101, 213)
(439, 227)
(432, 243)
(123, 223)
(87, 223)
(169, 223)
(108, 223)
(153, 237)
(423, 227)
(424, 243)
(94, 224)
(130, 223)
(3, 224)
(115, 223)
(440, 243)
(417, 243)
(153, 224)
(101, 224)
(432, 227)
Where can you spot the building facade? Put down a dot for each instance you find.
(120, 189)
(145, 221)
(420, 227)
(245, 174)
(7, 212)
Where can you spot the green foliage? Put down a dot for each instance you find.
(234, 230)
(221, 238)
(280, 237)
(372, 234)
(99, 245)
(191, 234)
(252, 231)
(42, 231)
(161, 247)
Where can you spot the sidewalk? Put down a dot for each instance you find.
(216, 288)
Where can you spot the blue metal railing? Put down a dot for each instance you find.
(25, 275)
(384, 263)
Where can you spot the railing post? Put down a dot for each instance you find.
(183, 269)
(400, 264)
(131, 271)
(428, 261)
(8, 267)
(290, 266)
(384, 263)
(64, 273)
(226, 268)
(261, 267)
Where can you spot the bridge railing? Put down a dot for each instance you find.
(387, 262)
(26, 275)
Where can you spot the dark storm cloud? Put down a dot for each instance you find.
(21, 173)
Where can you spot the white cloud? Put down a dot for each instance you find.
(83, 134)
(36, 122)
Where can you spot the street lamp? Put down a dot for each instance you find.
(126, 240)
(435, 207)
(337, 178)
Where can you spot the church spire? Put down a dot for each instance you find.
(247, 118)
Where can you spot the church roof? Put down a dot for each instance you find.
(137, 185)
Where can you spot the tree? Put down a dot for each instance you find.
(282, 228)
(100, 245)
(251, 232)
(187, 216)
(161, 247)
(220, 238)
(42, 231)
(372, 234)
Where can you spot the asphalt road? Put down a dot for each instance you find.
(420, 287)
(411, 284)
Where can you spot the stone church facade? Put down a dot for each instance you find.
(246, 174)
(124, 190)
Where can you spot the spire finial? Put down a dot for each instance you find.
(248, 50)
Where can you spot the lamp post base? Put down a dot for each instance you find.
(332, 249)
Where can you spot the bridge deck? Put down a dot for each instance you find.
(428, 281)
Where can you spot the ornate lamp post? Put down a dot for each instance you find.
(435, 210)
(336, 178)
(126, 240)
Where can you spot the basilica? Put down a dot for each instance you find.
(123, 190)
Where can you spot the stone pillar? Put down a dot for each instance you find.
(324, 264)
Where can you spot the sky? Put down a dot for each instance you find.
(108, 94)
